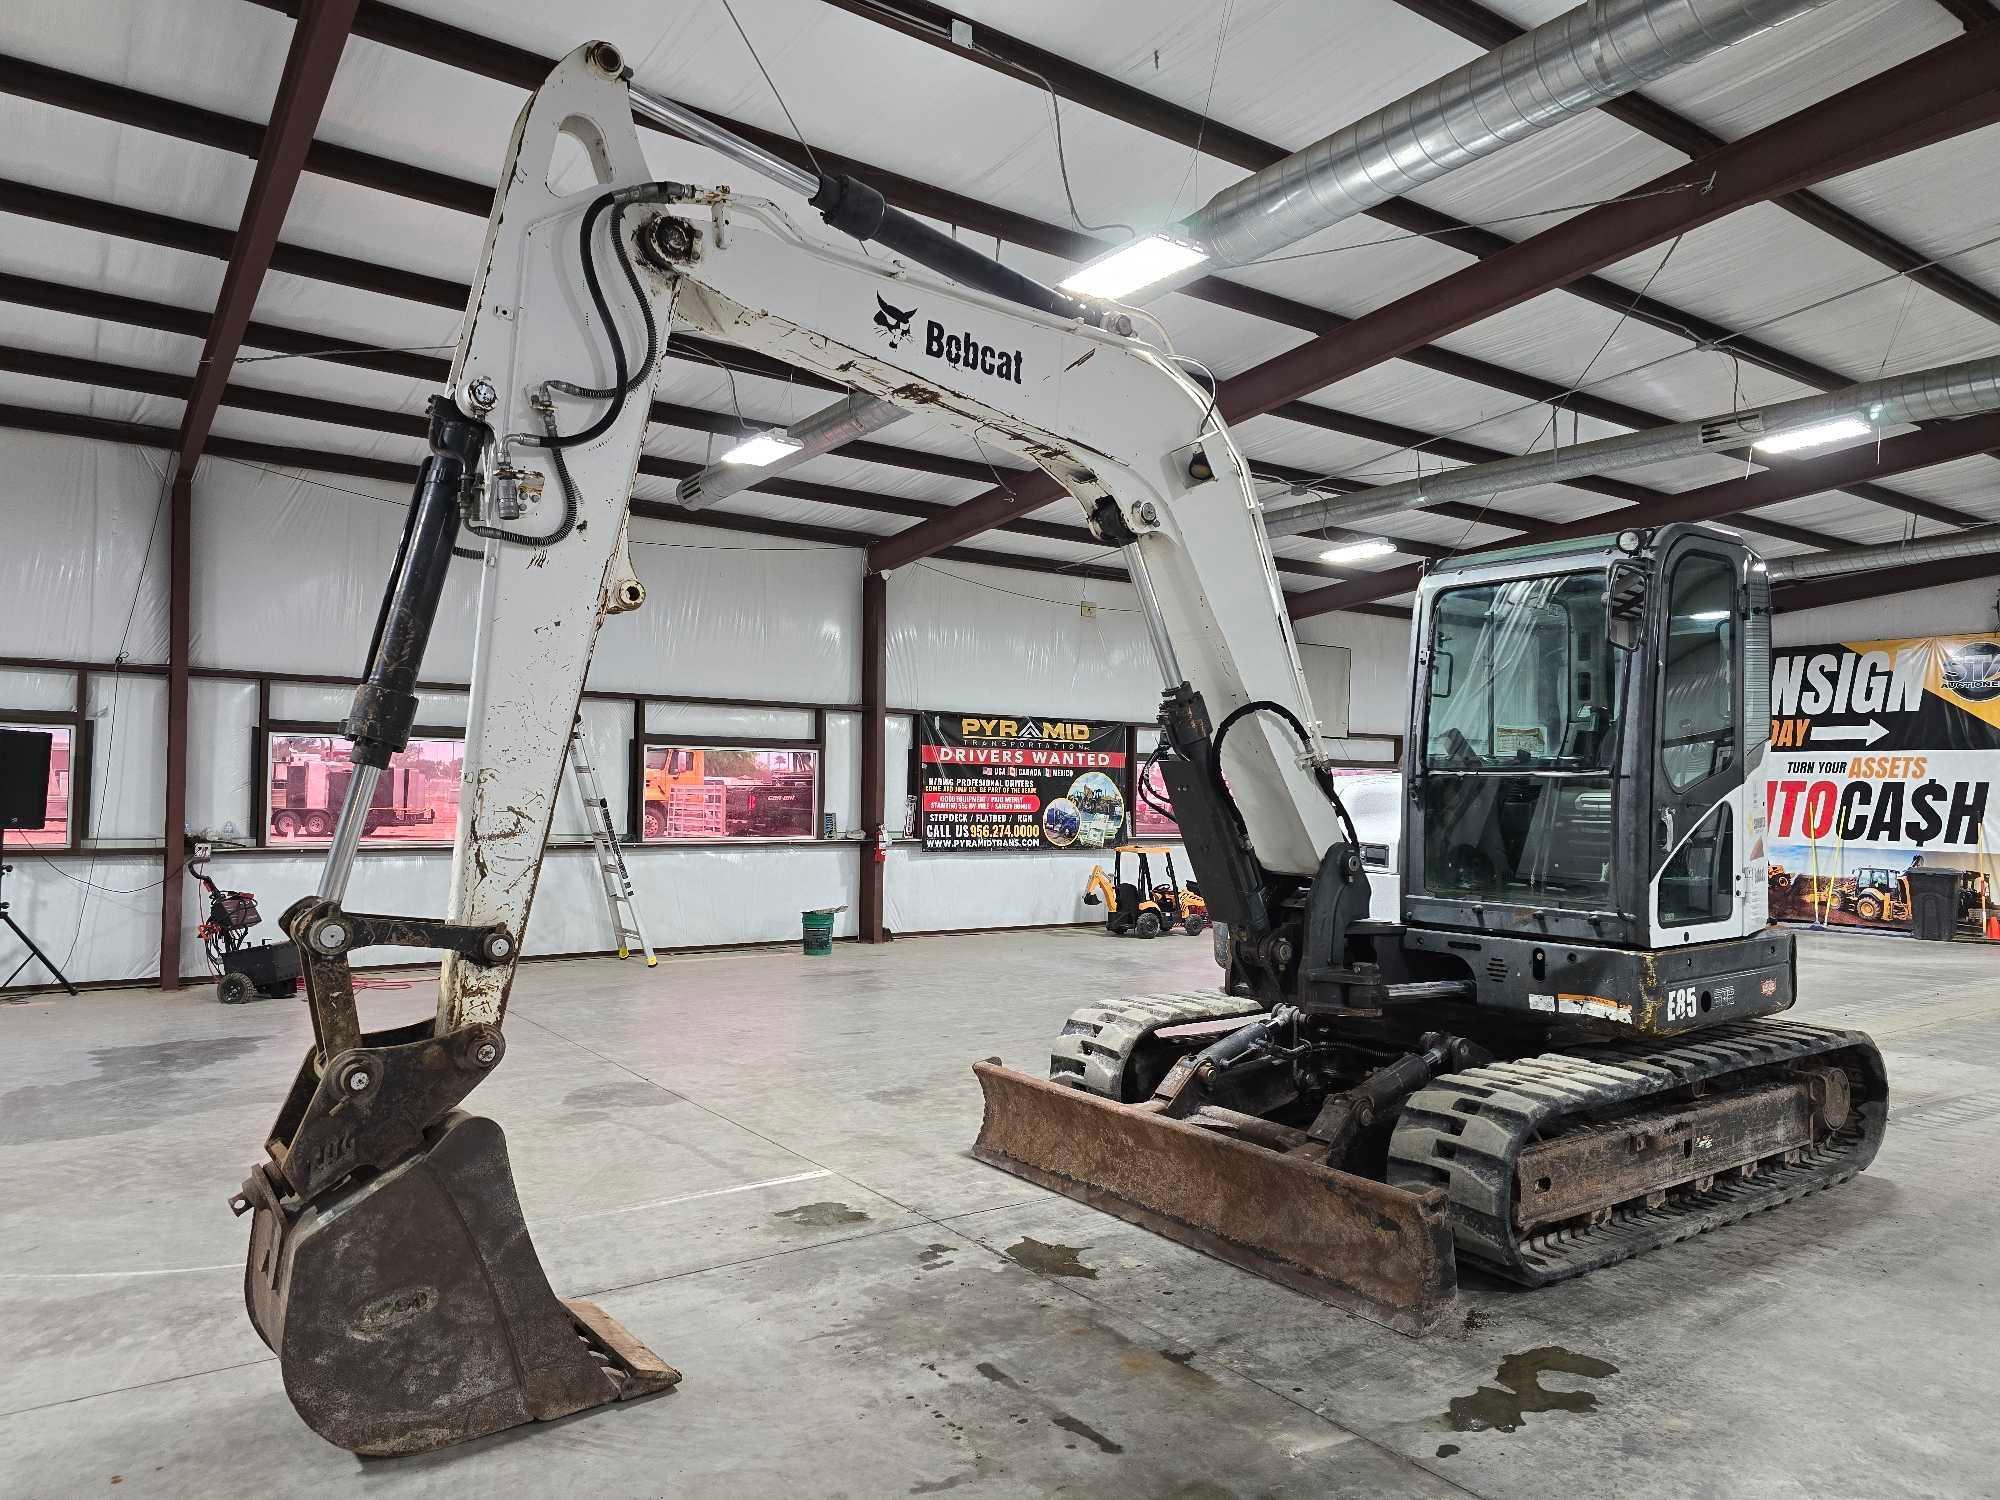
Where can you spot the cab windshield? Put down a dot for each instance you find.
(1524, 693)
(1522, 677)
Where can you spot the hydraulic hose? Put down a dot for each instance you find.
(1320, 776)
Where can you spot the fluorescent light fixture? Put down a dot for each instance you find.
(1128, 268)
(1354, 552)
(1839, 430)
(764, 448)
(1709, 616)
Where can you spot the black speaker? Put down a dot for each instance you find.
(24, 777)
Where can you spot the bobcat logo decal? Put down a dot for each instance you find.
(893, 321)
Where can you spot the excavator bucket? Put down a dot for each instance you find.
(410, 1312)
(1361, 1245)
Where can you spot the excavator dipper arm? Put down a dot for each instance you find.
(389, 1264)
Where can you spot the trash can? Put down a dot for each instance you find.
(1933, 902)
(818, 931)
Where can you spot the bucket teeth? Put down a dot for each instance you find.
(410, 1311)
(1380, 1251)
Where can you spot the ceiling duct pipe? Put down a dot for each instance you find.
(1977, 542)
(832, 427)
(1589, 56)
(1856, 411)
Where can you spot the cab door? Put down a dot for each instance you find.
(1702, 823)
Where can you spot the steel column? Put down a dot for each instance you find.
(874, 753)
(317, 42)
(180, 569)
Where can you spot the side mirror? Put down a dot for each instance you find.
(1625, 588)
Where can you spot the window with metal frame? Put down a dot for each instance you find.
(729, 793)
(61, 807)
(1697, 683)
(306, 775)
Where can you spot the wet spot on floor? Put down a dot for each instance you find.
(1083, 1429)
(1050, 1260)
(982, 1468)
(932, 1257)
(133, 1087)
(1520, 1390)
(1446, 1450)
(628, 1093)
(997, 1375)
(821, 1215)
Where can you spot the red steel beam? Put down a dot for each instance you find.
(180, 575)
(427, 38)
(317, 42)
(1939, 94)
(1713, 502)
(874, 755)
(1952, 89)
(1485, 28)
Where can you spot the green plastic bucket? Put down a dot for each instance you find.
(818, 933)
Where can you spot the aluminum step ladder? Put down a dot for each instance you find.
(618, 895)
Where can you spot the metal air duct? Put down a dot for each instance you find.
(1587, 57)
(1976, 542)
(1960, 390)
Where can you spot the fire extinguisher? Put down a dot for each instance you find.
(881, 847)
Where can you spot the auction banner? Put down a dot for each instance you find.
(1884, 754)
(1000, 782)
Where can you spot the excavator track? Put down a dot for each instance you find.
(1466, 1132)
(1099, 1043)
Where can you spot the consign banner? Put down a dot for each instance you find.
(1884, 754)
(999, 781)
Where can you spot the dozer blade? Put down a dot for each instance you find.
(410, 1312)
(1372, 1249)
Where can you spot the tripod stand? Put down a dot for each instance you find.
(34, 952)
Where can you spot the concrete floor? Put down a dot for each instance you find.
(758, 1163)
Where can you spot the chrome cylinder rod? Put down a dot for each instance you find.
(1149, 607)
(704, 131)
(347, 833)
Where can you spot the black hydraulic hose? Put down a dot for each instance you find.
(624, 253)
(617, 388)
(1320, 777)
(561, 529)
(1145, 794)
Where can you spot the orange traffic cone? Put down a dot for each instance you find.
(1992, 925)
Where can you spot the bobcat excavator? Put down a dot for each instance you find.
(1550, 1061)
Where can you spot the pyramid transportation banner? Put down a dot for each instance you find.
(1884, 754)
(1019, 781)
